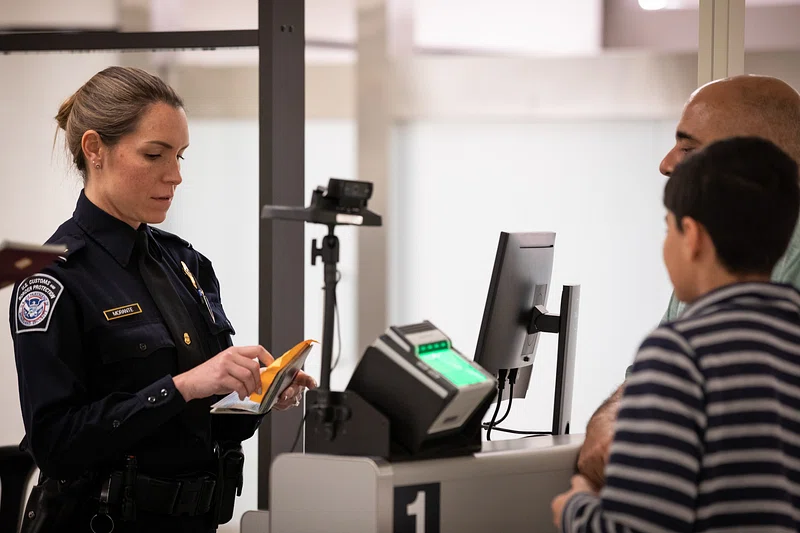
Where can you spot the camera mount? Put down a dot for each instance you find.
(342, 202)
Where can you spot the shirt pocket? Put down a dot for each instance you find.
(133, 357)
(133, 342)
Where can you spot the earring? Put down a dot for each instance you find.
(96, 164)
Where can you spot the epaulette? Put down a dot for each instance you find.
(73, 244)
(171, 236)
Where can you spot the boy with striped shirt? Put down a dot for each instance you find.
(708, 433)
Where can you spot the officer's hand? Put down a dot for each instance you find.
(294, 393)
(233, 370)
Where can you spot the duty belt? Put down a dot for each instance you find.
(190, 496)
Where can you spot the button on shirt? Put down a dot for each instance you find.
(95, 359)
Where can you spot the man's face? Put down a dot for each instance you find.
(701, 123)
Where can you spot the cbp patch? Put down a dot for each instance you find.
(36, 299)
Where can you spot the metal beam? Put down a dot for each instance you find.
(281, 119)
(84, 41)
(720, 52)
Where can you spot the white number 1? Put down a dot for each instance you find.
(417, 509)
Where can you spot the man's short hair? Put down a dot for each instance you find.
(745, 192)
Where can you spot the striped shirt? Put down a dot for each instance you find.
(708, 433)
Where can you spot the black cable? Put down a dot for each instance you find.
(512, 378)
(508, 408)
(521, 432)
(491, 424)
(338, 329)
(512, 375)
(299, 431)
(338, 326)
(501, 384)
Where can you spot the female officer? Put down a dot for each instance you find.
(123, 345)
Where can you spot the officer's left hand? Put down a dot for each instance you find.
(579, 484)
(294, 393)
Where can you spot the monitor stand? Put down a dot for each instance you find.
(565, 324)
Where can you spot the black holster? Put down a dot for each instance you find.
(229, 481)
(54, 505)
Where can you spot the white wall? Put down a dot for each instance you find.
(510, 26)
(216, 209)
(59, 14)
(596, 184)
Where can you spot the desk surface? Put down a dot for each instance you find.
(531, 443)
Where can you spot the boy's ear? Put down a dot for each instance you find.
(694, 235)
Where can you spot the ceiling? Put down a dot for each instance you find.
(508, 27)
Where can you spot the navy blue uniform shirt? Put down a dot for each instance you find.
(95, 359)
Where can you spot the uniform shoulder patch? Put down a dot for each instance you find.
(36, 299)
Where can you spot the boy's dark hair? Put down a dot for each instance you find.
(745, 192)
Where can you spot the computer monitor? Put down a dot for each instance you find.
(520, 280)
(515, 315)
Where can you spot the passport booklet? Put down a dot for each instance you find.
(275, 379)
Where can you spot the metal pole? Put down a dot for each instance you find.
(720, 51)
(281, 118)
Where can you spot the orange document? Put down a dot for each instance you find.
(275, 379)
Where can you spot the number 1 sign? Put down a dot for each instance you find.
(417, 508)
